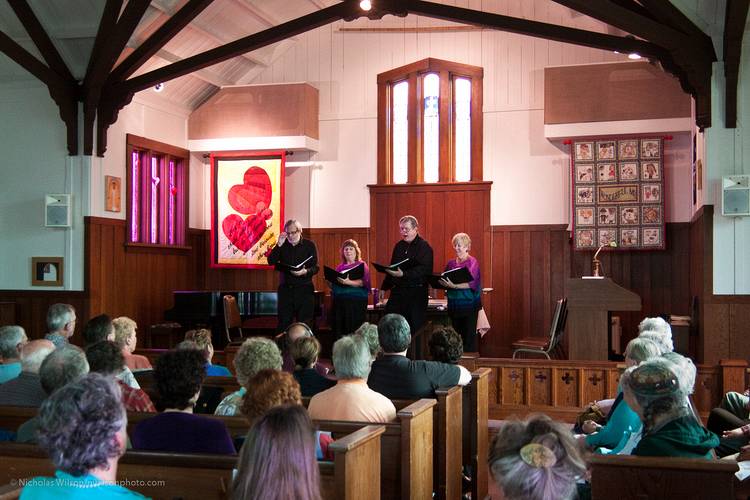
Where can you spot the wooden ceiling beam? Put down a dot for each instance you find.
(235, 48)
(27, 61)
(734, 29)
(531, 28)
(155, 42)
(40, 38)
(106, 25)
(666, 13)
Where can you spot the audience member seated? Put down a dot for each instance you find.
(64, 365)
(126, 338)
(445, 344)
(658, 331)
(202, 338)
(278, 458)
(271, 388)
(26, 389)
(178, 376)
(100, 328)
(106, 358)
(61, 323)
(255, 354)
(398, 377)
(623, 421)
(370, 333)
(536, 459)
(82, 427)
(12, 337)
(351, 398)
(293, 332)
(305, 352)
(653, 391)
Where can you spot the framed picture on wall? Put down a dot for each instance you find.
(112, 193)
(584, 151)
(47, 271)
(247, 207)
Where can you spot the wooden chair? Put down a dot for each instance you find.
(232, 319)
(624, 476)
(551, 344)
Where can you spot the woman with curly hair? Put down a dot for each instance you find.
(445, 344)
(278, 458)
(82, 426)
(271, 388)
(536, 459)
(178, 376)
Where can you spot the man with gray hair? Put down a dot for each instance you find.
(12, 337)
(61, 323)
(398, 377)
(408, 285)
(351, 399)
(296, 259)
(63, 366)
(26, 389)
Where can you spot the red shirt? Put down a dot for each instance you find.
(135, 399)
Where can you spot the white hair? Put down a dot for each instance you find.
(657, 325)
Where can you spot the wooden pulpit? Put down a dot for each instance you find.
(589, 303)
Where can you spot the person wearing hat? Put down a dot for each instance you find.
(654, 392)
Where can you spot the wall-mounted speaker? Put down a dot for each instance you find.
(735, 195)
(57, 210)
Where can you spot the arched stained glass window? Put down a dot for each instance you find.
(431, 127)
(462, 110)
(400, 132)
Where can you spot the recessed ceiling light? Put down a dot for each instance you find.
(365, 5)
(158, 87)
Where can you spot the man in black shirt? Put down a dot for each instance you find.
(296, 290)
(398, 377)
(409, 287)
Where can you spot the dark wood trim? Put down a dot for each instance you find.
(438, 186)
(104, 221)
(158, 39)
(430, 65)
(150, 248)
(82, 294)
(40, 38)
(30, 63)
(734, 29)
(666, 13)
(162, 147)
(529, 227)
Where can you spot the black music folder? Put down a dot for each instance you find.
(403, 265)
(355, 273)
(281, 266)
(457, 275)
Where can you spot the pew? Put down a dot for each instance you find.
(354, 474)
(476, 430)
(625, 477)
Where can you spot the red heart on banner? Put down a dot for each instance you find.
(244, 233)
(255, 189)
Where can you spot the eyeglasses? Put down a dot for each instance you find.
(293, 232)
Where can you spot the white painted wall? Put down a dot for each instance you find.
(530, 174)
(36, 162)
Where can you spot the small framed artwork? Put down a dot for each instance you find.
(584, 151)
(650, 148)
(112, 190)
(606, 172)
(584, 216)
(607, 216)
(629, 237)
(47, 271)
(607, 236)
(651, 236)
(650, 171)
(629, 216)
(628, 150)
(629, 171)
(651, 214)
(605, 150)
(585, 238)
(584, 195)
(651, 193)
(585, 172)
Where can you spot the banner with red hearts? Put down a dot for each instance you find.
(247, 204)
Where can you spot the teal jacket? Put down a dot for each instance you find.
(621, 424)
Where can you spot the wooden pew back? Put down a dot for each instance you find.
(354, 474)
(625, 477)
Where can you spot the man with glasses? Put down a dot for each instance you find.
(296, 259)
(408, 286)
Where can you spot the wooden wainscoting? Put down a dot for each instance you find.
(30, 309)
(561, 388)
